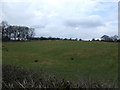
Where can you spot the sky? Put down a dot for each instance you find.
(85, 19)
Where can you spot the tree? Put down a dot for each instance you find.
(76, 39)
(80, 39)
(30, 33)
(97, 40)
(106, 38)
(93, 39)
(115, 38)
(16, 32)
(4, 26)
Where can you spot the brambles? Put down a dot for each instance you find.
(18, 77)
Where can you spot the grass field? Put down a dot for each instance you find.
(72, 60)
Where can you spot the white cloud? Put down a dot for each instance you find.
(84, 18)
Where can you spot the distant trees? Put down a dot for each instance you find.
(46, 38)
(115, 38)
(93, 39)
(107, 38)
(54, 38)
(21, 33)
(16, 32)
(80, 39)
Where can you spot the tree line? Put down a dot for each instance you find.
(23, 33)
(12, 32)
(104, 38)
(54, 38)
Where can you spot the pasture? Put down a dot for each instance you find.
(72, 60)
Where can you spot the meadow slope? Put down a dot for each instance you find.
(72, 60)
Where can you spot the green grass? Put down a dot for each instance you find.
(95, 59)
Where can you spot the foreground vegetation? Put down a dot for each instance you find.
(18, 77)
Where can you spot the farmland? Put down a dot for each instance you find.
(72, 60)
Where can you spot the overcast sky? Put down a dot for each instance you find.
(85, 19)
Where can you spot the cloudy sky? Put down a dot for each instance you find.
(84, 19)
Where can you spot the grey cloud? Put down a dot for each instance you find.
(84, 23)
(38, 26)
